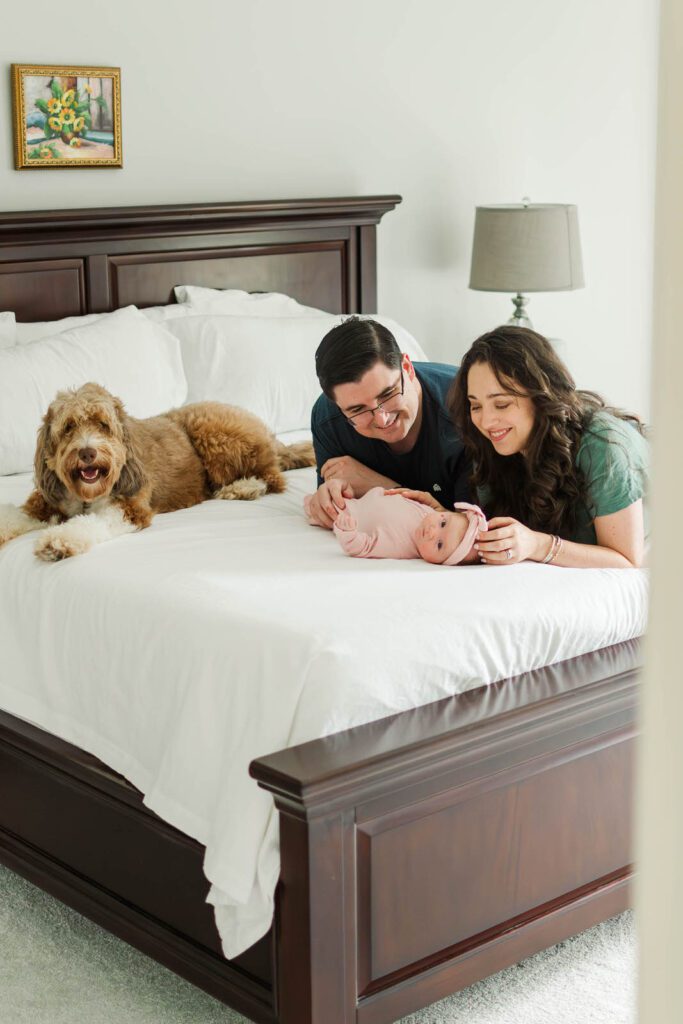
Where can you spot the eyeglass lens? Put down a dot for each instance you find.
(387, 406)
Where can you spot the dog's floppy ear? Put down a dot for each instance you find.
(132, 475)
(46, 480)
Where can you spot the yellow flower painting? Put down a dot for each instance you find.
(66, 116)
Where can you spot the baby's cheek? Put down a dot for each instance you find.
(426, 550)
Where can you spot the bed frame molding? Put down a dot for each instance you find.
(419, 853)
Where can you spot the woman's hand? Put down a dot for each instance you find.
(508, 541)
(424, 497)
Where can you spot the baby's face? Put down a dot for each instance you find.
(439, 534)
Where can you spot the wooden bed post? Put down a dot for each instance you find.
(315, 977)
(367, 246)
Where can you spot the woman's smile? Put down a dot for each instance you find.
(492, 402)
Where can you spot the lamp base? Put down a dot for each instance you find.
(519, 318)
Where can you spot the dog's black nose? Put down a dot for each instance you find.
(87, 455)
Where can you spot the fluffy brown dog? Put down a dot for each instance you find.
(92, 457)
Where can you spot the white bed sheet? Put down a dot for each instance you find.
(231, 630)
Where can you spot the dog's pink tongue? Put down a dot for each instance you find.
(89, 474)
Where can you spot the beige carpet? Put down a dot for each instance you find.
(56, 967)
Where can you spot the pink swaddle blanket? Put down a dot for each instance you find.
(380, 526)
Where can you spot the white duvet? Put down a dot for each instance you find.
(231, 630)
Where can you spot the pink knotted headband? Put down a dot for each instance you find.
(477, 521)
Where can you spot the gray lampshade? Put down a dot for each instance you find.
(532, 248)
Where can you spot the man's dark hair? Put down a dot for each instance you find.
(352, 348)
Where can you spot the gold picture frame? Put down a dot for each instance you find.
(66, 116)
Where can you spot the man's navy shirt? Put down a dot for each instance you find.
(437, 463)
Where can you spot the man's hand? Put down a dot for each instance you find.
(324, 506)
(354, 474)
(424, 497)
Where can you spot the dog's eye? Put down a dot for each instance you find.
(104, 427)
(68, 426)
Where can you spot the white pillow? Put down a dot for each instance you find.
(238, 303)
(26, 333)
(8, 330)
(136, 360)
(160, 314)
(263, 364)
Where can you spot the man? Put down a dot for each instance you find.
(381, 421)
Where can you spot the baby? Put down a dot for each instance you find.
(380, 525)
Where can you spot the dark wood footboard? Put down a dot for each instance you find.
(428, 850)
(419, 853)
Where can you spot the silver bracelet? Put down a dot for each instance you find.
(555, 545)
(557, 550)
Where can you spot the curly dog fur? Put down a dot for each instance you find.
(92, 457)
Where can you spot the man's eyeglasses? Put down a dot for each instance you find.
(389, 404)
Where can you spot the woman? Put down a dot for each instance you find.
(560, 475)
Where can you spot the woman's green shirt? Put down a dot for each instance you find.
(613, 456)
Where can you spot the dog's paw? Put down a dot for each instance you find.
(6, 535)
(247, 489)
(14, 522)
(59, 542)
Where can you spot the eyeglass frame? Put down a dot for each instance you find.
(394, 394)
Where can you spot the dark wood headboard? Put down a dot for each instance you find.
(69, 262)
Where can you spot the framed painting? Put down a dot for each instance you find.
(66, 116)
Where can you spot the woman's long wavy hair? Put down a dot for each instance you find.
(543, 488)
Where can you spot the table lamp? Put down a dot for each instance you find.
(526, 247)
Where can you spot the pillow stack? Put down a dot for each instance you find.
(24, 334)
(253, 350)
(257, 350)
(263, 364)
(239, 303)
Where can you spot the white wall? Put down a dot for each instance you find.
(660, 814)
(448, 102)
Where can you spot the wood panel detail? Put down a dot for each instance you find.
(314, 274)
(483, 861)
(59, 284)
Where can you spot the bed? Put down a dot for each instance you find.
(419, 851)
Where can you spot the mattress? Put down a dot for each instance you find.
(233, 629)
